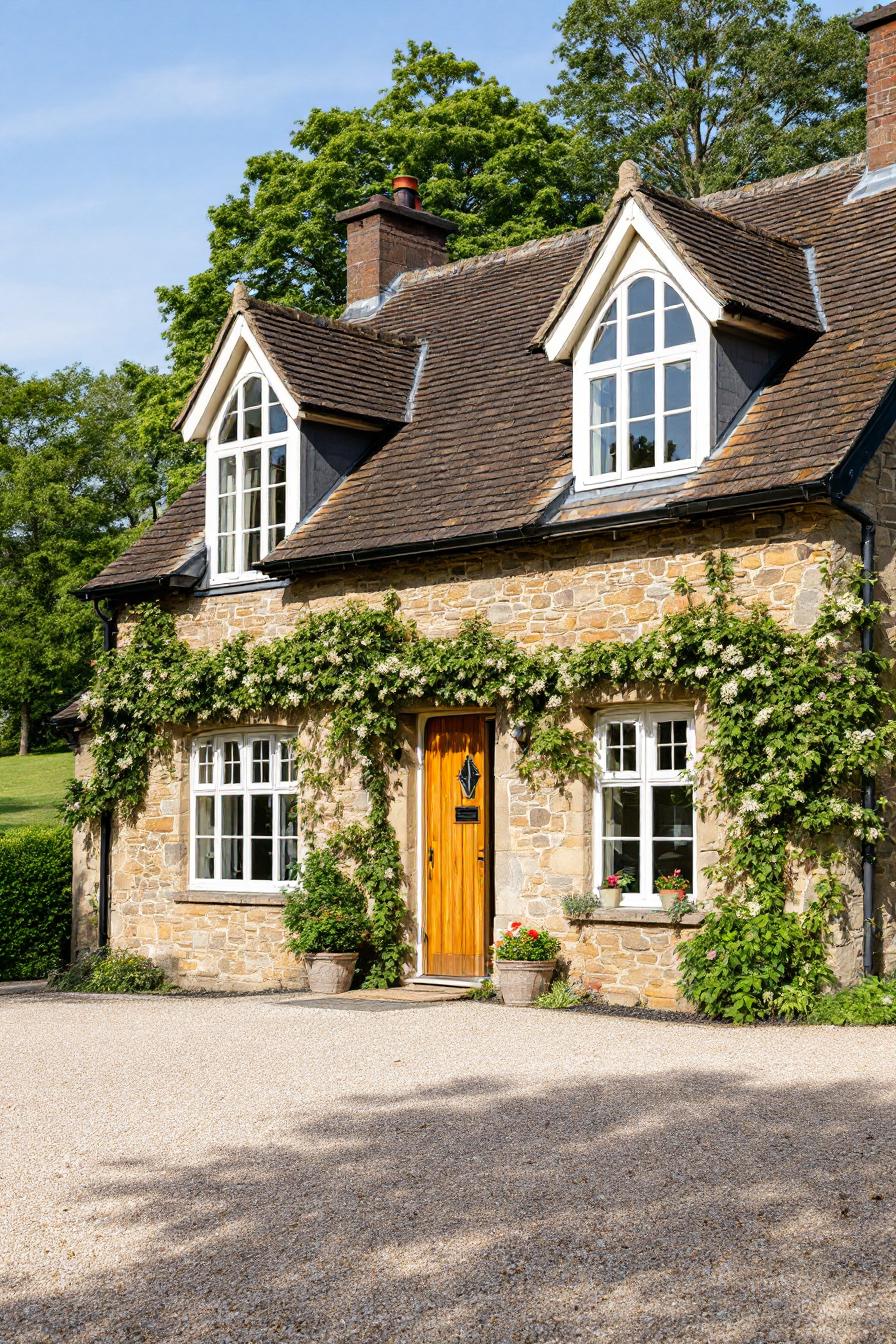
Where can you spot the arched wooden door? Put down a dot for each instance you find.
(457, 854)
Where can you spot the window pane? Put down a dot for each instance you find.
(603, 401)
(205, 837)
(669, 855)
(622, 811)
(252, 392)
(205, 772)
(288, 772)
(603, 450)
(641, 393)
(678, 385)
(251, 508)
(226, 514)
(673, 812)
(640, 335)
(232, 767)
(227, 476)
(288, 824)
(623, 856)
(678, 437)
(605, 341)
(228, 430)
(252, 423)
(276, 416)
(226, 554)
(232, 838)
(276, 495)
(679, 329)
(622, 747)
(262, 812)
(642, 445)
(640, 296)
(261, 761)
(672, 744)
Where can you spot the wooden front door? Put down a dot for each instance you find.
(457, 839)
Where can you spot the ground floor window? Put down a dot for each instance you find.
(644, 800)
(243, 807)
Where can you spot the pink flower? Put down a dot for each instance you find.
(711, 954)
(612, 880)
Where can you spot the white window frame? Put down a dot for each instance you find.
(645, 776)
(280, 743)
(216, 452)
(697, 352)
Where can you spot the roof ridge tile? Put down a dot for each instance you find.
(768, 186)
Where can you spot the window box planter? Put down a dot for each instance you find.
(330, 972)
(521, 982)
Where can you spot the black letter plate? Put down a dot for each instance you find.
(466, 814)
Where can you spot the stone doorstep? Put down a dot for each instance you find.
(402, 994)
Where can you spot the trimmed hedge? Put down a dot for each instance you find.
(35, 900)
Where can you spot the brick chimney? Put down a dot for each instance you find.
(880, 26)
(388, 235)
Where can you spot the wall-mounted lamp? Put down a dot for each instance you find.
(521, 735)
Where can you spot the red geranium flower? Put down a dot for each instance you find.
(533, 933)
(516, 925)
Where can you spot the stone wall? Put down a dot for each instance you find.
(566, 592)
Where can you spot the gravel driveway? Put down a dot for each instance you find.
(260, 1169)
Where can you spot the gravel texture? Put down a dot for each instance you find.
(237, 1170)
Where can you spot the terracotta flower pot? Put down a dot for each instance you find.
(521, 982)
(610, 897)
(330, 972)
(669, 897)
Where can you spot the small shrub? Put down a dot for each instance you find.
(326, 911)
(519, 944)
(483, 992)
(35, 900)
(563, 995)
(112, 971)
(871, 1003)
(579, 905)
(745, 967)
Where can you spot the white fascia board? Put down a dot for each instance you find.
(220, 375)
(632, 223)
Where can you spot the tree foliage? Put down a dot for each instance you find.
(70, 493)
(707, 94)
(497, 166)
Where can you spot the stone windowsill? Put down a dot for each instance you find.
(193, 897)
(633, 916)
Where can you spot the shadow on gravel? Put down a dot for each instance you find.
(684, 1207)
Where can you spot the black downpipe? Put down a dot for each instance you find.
(869, 784)
(110, 640)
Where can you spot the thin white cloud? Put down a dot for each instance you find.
(176, 92)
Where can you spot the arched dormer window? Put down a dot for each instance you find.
(642, 385)
(249, 464)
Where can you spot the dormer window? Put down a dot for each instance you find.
(642, 395)
(249, 480)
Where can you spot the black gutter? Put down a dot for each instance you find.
(869, 784)
(110, 640)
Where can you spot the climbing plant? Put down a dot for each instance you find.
(794, 719)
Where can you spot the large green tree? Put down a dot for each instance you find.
(71, 491)
(706, 94)
(497, 166)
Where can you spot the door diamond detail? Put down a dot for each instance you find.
(469, 777)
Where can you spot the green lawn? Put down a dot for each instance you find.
(32, 787)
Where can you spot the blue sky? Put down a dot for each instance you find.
(121, 121)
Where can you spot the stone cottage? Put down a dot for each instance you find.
(547, 436)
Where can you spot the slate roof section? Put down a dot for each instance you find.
(487, 453)
(489, 444)
(337, 367)
(749, 270)
(175, 543)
